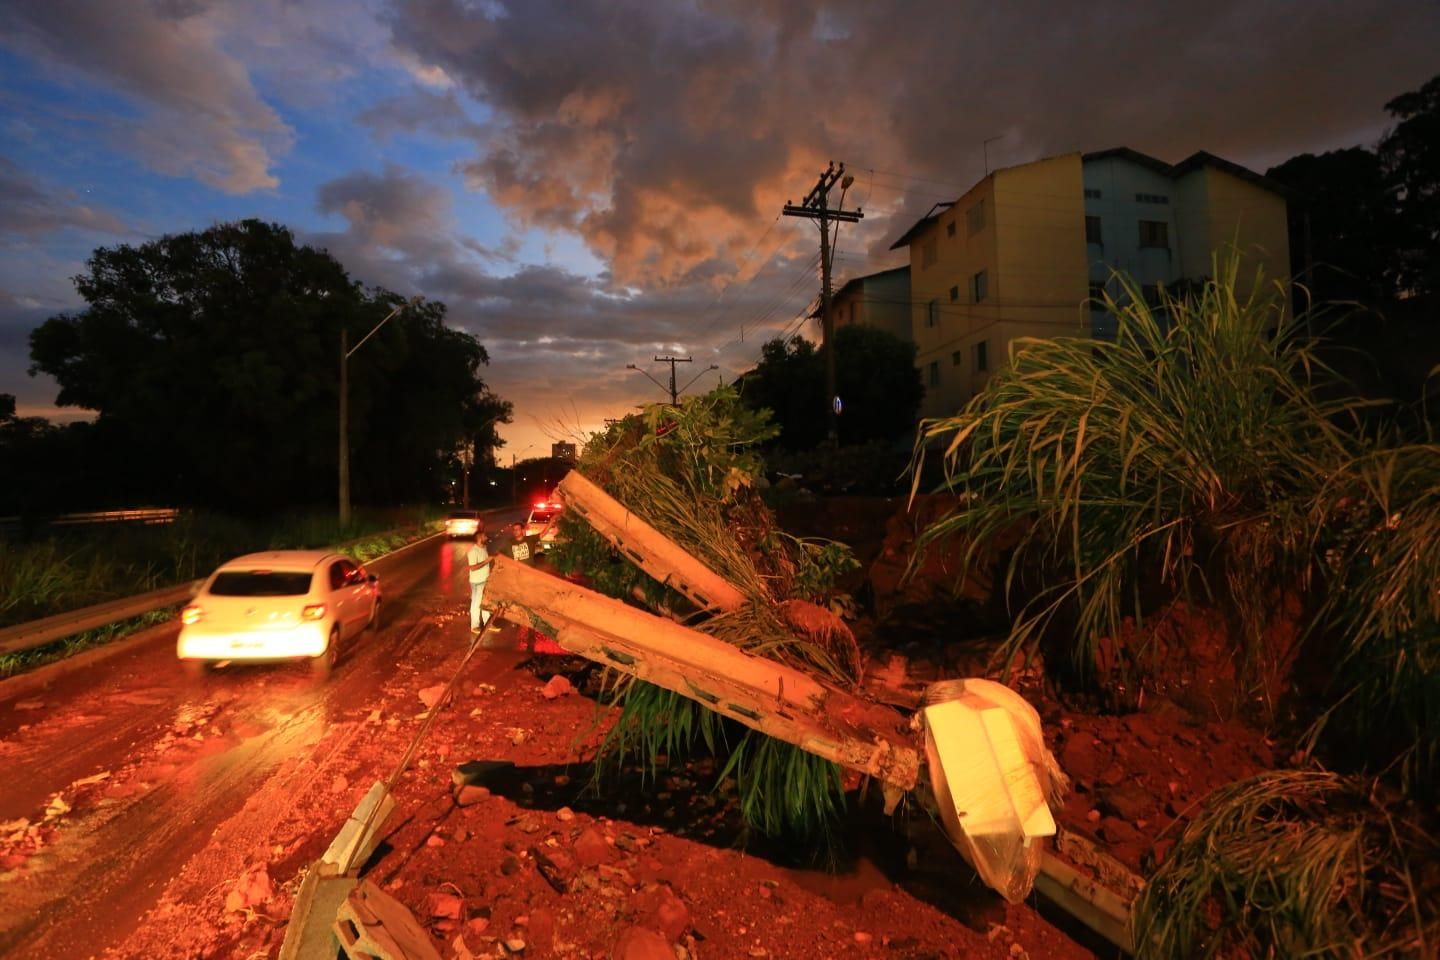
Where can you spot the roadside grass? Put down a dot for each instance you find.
(80, 567)
(1207, 454)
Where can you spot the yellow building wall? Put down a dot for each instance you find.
(958, 259)
(1247, 218)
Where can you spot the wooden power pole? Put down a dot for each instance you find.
(816, 206)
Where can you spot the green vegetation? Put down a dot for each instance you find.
(1179, 460)
(690, 472)
(1207, 455)
(212, 362)
(111, 561)
(1292, 864)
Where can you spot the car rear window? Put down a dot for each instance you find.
(541, 516)
(261, 583)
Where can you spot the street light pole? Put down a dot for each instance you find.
(344, 451)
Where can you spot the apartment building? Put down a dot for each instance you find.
(1022, 252)
(879, 300)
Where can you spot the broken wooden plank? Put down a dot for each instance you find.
(773, 698)
(648, 548)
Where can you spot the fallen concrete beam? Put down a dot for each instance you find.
(310, 935)
(648, 548)
(775, 699)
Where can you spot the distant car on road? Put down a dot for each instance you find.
(462, 523)
(544, 522)
(279, 605)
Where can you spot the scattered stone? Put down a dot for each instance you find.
(638, 943)
(250, 891)
(510, 865)
(430, 696)
(340, 784)
(559, 686)
(1113, 830)
(564, 814)
(1018, 952)
(469, 795)
(1129, 801)
(514, 945)
(662, 910)
(556, 866)
(434, 840)
(863, 938)
(446, 906)
(626, 843)
(561, 779)
(591, 849)
(1093, 816)
(56, 808)
(1112, 775)
(517, 736)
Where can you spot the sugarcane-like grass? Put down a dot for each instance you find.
(691, 471)
(1292, 864)
(1178, 460)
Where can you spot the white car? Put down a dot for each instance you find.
(280, 605)
(462, 523)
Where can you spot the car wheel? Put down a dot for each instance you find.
(322, 666)
(195, 669)
(374, 623)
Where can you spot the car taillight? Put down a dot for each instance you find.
(192, 614)
(315, 611)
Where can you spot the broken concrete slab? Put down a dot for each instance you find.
(775, 699)
(372, 925)
(310, 934)
(360, 835)
(648, 548)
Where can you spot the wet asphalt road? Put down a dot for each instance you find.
(184, 756)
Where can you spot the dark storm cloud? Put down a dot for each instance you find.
(29, 207)
(201, 116)
(665, 133)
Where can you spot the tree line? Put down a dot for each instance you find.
(212, 362)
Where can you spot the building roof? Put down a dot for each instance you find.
(921, 224)
(860, 281)
(1195, 161)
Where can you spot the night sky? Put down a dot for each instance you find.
(589, 183)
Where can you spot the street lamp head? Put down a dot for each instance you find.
(847, 182)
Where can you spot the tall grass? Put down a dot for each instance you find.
(1181, 459)
(690, 471)
(1293, 864)
(1383, 608)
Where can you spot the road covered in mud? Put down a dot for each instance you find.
(149, 815)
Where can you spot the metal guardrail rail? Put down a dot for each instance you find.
(25, 636)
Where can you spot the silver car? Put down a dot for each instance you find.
(280, 605)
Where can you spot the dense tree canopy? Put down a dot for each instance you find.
(212, 360)
(1367, 222)
(875, 375)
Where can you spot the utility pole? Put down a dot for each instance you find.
(816, 206)
(672, 390)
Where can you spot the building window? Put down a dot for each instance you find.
(1154, 234)
(927, 253)
(1158, 198)
(975, 218)
(1150, 293)
(1092, 231)
(950, 229)
(956, 358)
(954, 294)
(979, 286)
(1092, 194)
(982, 356)
(932, 376)
(1097, 296)
(932, 313)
